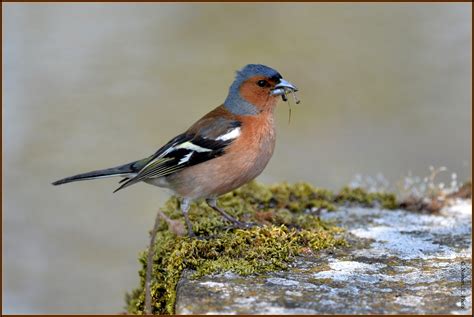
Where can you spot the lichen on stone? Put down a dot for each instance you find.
(289, 225)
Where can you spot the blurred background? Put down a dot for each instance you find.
(385, 88)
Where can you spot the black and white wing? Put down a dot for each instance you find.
(187, 149)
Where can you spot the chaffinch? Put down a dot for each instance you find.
(228, 147)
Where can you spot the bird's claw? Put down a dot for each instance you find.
(245, 225)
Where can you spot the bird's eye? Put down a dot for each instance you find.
(262, 83)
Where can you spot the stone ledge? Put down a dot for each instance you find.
(398, 262)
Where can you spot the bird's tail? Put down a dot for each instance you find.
(122, 170)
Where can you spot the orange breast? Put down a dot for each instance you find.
(244, 160)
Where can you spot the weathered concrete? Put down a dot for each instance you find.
(398, 262)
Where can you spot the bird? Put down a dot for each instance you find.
(225, 149)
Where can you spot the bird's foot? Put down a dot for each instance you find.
(236, 224)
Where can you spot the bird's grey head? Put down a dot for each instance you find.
(234, 101)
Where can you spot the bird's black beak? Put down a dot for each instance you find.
(283, 87)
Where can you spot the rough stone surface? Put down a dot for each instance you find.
(398, 262)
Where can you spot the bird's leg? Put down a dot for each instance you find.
(184, 209)
(212, 202)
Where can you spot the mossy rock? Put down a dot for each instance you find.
(361, 197)
(290, 225)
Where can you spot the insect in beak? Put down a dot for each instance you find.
(283, 88)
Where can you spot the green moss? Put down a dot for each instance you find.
(290, 226)
(362, 197)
